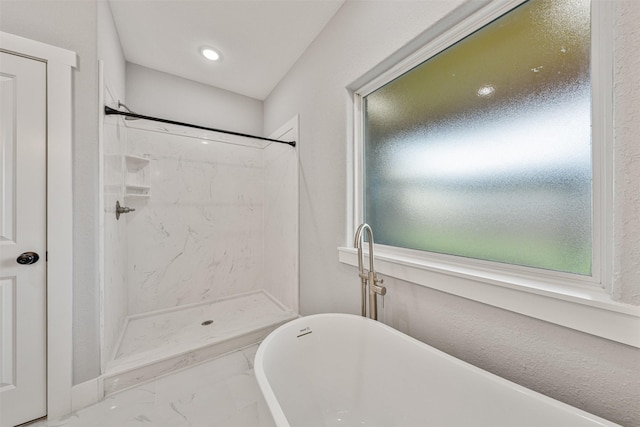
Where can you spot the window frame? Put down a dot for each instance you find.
(579, 302)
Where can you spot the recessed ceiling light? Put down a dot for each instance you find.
(210, 54)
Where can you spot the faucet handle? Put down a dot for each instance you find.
(380, 290)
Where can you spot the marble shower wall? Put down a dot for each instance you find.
(114, 292)
(199, 235)
(281, 222)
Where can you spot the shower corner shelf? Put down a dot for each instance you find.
(137, 191)
(136, 163)
(136, 177)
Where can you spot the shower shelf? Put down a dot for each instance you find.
(137, 188)
(137, 191)
(137, 196)
(135, 163)
(136, 177)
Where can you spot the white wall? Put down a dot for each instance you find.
(281, 258)
(154, 93)
(110, 51)
(72, 25)
(113, 292)
(627, 153)
(594, 374)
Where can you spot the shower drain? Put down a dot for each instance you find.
(207, 322)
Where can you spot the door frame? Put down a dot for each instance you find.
(60, 63)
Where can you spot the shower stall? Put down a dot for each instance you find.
(201, 258)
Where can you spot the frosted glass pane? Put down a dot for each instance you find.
(484, 150)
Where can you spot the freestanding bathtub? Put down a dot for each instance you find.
(346, 370)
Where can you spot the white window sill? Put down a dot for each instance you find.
(586, 309)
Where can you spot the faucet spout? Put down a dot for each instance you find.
(370, 277)
(357, 243)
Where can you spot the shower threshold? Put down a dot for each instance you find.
(157, 343)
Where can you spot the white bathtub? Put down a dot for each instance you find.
(345, 370)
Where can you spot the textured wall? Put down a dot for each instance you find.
(591, 373)
(627, 153)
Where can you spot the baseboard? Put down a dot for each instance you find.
(86, 393)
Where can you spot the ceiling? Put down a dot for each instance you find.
(258, 40)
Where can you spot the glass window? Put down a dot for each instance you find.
(484, 150)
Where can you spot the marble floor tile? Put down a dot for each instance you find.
(222, 392)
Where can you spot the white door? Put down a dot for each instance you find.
(22, 236)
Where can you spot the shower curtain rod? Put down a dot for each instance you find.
(110, 111)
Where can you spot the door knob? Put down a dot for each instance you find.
(28, 258)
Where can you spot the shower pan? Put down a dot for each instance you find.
(191, 269)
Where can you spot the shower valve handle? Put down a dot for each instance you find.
(122, 210)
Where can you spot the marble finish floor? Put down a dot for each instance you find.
(222, 392)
